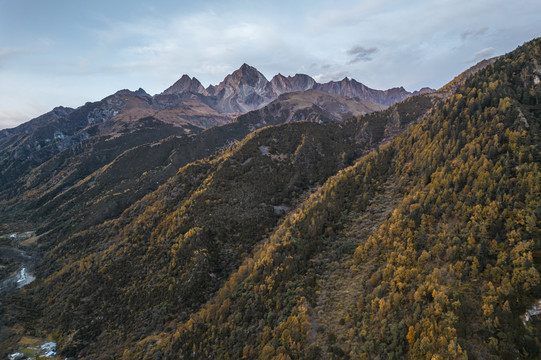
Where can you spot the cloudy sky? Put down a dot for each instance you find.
(68, 52)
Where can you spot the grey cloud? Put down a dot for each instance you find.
(487, 52)
(320, 66)
(361, 53)
(470, 33)
(7, 55)
(330, 76)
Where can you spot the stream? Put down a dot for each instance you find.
(22, 274)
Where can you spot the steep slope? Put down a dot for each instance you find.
(230, 202)
(186, 112)
(461, 78)
(192, 233)
(443, 265)
(31, 144)
(312, 105)
(30, 126)
(66, 168)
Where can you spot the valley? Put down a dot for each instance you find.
(16, 264)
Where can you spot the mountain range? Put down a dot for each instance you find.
(280, 219)
(183, 108)
(247, 89)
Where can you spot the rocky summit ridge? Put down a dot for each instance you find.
(248, 89)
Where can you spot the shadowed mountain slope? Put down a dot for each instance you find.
(284, 242)
(430, 244)
(223, 206)
(72, 180)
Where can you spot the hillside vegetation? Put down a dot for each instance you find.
(447, 271)
(406, 233)
(171, 251)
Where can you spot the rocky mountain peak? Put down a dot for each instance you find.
(241, 91)
(247, 89)
(185, 85)
(247, 75)
(280, 84)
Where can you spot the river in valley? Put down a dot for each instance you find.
(17, 269)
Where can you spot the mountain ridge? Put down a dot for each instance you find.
(248, 89)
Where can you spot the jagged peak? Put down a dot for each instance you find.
(245, 75)
(246, 69)
(185, 84)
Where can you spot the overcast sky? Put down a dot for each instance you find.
(68, 52)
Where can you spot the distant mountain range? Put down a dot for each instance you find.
(247, 89)
(184, 108)
(187, 103)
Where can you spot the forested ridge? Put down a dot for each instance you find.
(170, 252)
(448, 273)
(298, 242)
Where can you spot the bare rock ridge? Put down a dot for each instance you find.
(280, 84)
(351, 88)
(247, 89)
(186, 84)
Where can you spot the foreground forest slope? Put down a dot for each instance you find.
(437, 232)
(169, 253)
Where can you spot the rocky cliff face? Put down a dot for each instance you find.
(241, 91)
(280, 84)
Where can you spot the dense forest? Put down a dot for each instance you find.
(445, 271)
(408, 233)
